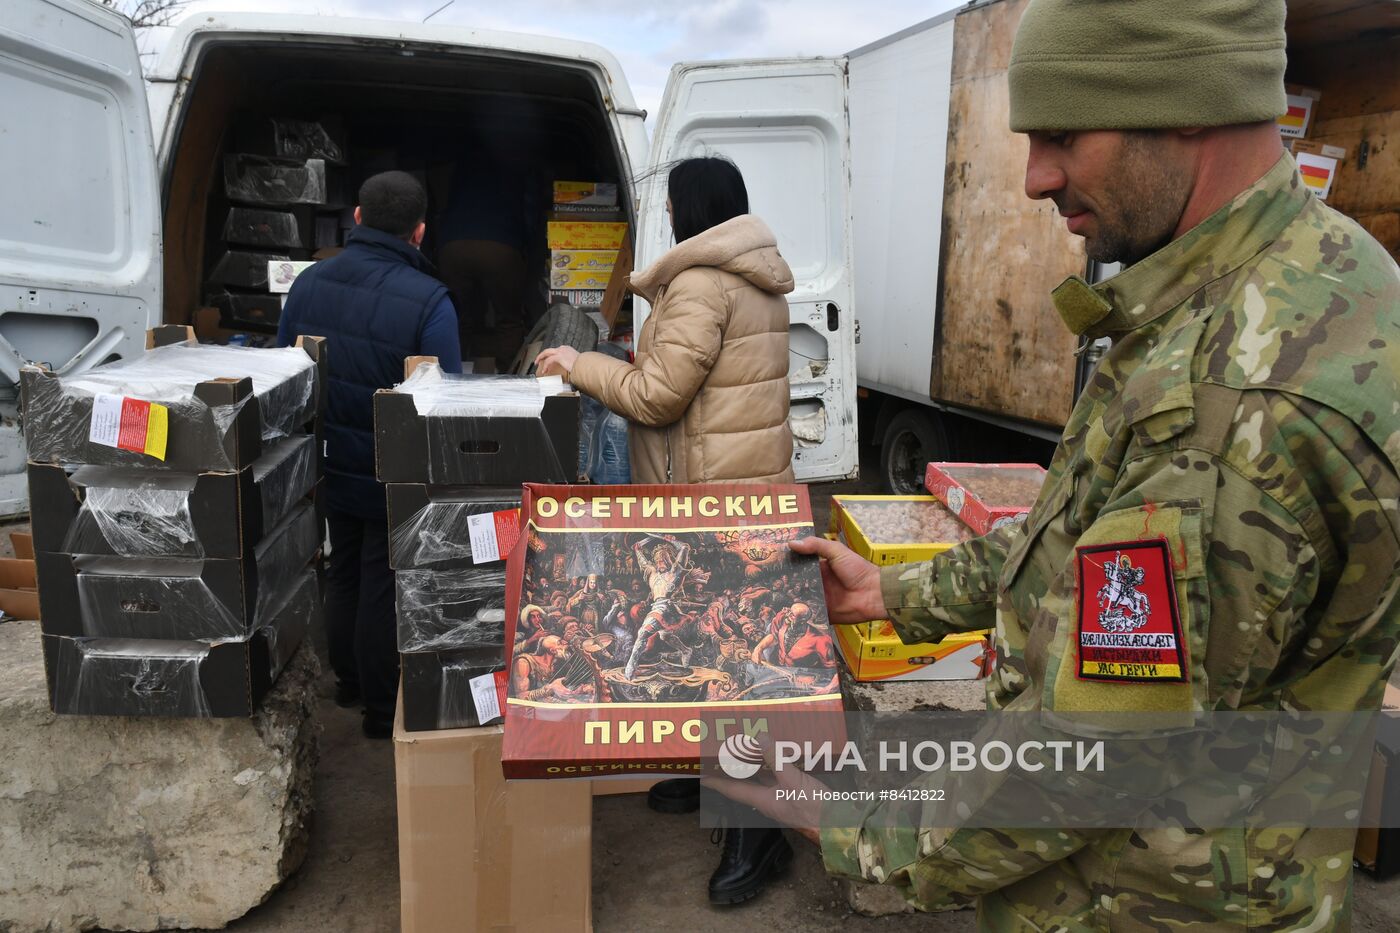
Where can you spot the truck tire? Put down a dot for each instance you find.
(562, 326)
(912, 438)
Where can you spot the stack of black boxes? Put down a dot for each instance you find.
(284, 202)
(175, 524)
(454, 451)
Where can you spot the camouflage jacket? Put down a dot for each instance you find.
(1247, 417)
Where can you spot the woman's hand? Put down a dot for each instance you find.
(556, 361)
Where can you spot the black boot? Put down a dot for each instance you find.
(749, 859)
(678, 795)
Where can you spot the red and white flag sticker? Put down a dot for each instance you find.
(129, 424)
(493, 535)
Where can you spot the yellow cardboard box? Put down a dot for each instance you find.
(884, 552)
(583, 234)
(957, 657)
(585, 193)
(578, 279)
(594, 260)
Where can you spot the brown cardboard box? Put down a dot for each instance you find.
(477, 853)
(19, 595)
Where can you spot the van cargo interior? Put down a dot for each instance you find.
(421, 111)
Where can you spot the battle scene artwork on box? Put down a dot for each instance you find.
(666, 601)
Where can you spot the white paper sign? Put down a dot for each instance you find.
(484, 696)
(482, 531)
(106, 420)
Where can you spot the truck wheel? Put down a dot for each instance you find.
(912, 438)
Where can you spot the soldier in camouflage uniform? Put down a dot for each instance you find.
(1239, 443)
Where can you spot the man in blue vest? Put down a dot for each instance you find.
(375, 303)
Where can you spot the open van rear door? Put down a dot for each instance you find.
(80, 232)
(784, 124)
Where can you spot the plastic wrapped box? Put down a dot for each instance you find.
(896, 529)
(130, 512)
(146, 677)
(268, 229)
(429, 526)
(244, 269)
(451, 627)
(453, 430)
(118, 597)
(258, 180)
(180, 406)
(986, 495)
(258, 311)
(289, 138)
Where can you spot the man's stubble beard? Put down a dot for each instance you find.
(1144, 204)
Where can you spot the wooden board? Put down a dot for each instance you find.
(1322, 22)
(999, 345)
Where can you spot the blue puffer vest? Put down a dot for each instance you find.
(370, 303)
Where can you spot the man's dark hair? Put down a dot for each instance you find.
(393, 202)
(704, 193)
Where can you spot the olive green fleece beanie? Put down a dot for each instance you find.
(1147, 64)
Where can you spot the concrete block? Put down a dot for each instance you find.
(147, 824)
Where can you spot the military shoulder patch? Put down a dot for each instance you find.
(1129, 624)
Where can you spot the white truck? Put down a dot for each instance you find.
(888, 175)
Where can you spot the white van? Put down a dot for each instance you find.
(107, 222)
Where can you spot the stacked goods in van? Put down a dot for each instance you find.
(898, 530)
(176, 525)
(585, 233)
(453, 452)
(284, 207)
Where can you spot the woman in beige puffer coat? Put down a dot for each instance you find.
(707, 399)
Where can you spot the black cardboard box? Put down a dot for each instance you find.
(118, 597)
(255, 311)
(451, 627)
(138, 677)
(474, 450)
(269, 228)
(437, 687)
(277, 183)
(218, 425)
(291, 138)
(130, 512)
(447, 609)
(428, 524)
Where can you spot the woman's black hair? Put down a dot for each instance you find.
(704, 193)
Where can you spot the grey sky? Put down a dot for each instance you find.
(648, 37)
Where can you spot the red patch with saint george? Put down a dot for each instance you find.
(1129, 624)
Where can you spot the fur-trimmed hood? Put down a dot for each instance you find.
(742, 245)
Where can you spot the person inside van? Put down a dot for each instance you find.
(483, 238)
(376, 303)
(706, 400)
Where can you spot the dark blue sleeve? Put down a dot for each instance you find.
(286, 329)
(439, 337)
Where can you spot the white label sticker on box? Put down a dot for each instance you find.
(106, 420)
(484, 696)
(482, 530)
(493, 534)
(129, 424)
